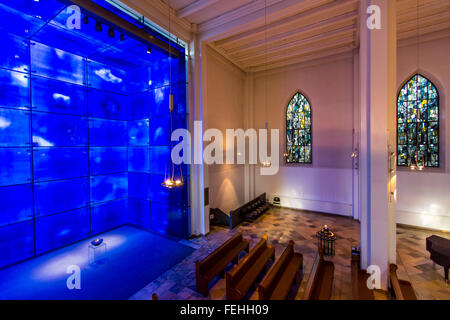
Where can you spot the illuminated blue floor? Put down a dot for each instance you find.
(134, 259)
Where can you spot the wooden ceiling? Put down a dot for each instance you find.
(296, 30)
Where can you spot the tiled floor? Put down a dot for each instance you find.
(282, 225)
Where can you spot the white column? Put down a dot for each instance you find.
(249, 120)
(378, 104)
(197, 78)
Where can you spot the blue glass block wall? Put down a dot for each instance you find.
(84, 132)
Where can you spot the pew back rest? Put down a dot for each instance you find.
(395, 283)
(212, 259)
(355, 276)
(236, 274)
(313, 277)
(270, 282)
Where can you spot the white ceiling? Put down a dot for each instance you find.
(297, 30)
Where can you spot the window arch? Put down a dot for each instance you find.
(298, 130)
(418, 123)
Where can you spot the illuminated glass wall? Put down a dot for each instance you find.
(84, 132)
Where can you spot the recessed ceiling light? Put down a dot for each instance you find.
(149, 50)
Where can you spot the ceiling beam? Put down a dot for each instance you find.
(195, 7)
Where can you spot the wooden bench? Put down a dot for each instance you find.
(439, 249)
(277, 284)
(243, 276)
(320, 282)
(216, 263)
(360, 291)
(400, 289)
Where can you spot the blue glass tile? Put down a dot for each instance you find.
(138, 80)
(139, 213)
(160, 131)
(14, 21)
(14, 52)
(59, 196)
(138, 51)
(159, 73)
(106, 78)
(58, 97)
(57, 64)
(160, 161)
(139, 185)
(16, 243)
(169, 220)
(107, 133)
(108, 160)
(109, 215)
(159, 101)
(16, 204)
(139, 106)
(109, 187)
(139, 159)
(138, 132)
(60, 163)
(107, 105)
(176, 196)
(14, 128)
(15, 166)
(61, 229)
(55, 130)
(14, 90)
(44, 9)
(116, 58)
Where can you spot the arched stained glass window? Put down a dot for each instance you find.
(418, 123)
(298, 130)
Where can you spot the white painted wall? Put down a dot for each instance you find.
(326, 185)
(424, 197)
(225, 110)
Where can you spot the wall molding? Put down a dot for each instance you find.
(423, 220)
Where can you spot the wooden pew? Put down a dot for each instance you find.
(243, 276)
(360, 291)
(320, 282)
(215, 264)
(277, 284)
(400, 289)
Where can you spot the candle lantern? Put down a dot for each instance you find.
(326, 241)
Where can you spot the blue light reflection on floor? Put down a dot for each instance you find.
(135, 258)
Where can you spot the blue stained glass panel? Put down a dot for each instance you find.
(138, 79)
(58, 97)
(138, 159)
(159, 101)
(160, 131)
(15, 166)
(107, 133)
(44, 9)
(16, 242)
(14, 21)
(138, 132)
(14, 52)
(139, 106)
(158, 193)
(108, 160)
(160, 160)
(107, 105)
(57, 64)
(14, 90)
(139, 213)
(14, 128)
(109, 215)
(169, 220)
(55, 130)
(109, 187)
(59, 196)
(60, 163)
(60, 229)
(159, 73)
(106, 77)
(16, 204)
(139, 185)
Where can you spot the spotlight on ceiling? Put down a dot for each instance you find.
(111, 33)
(98, 27)
(149, 50)
(86, 20)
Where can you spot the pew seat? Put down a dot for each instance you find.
(215, 263)
(244, 275)
(400, 289)
(320, 282)
(277, 284)
(360, 291)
